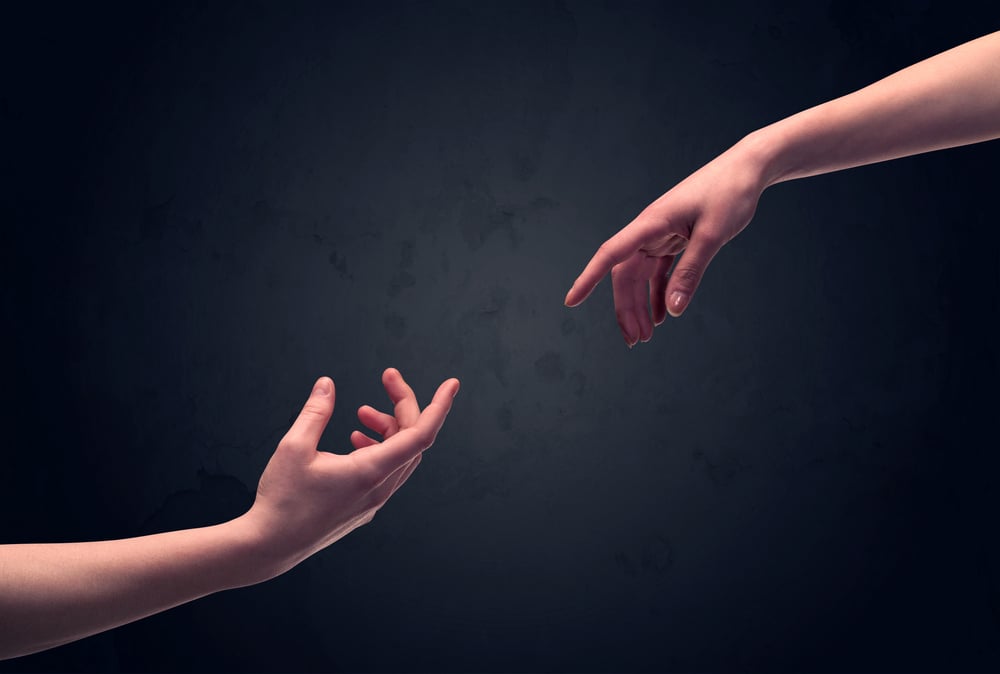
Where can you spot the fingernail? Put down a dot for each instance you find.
(676, 304)
(566, 301)
(458, 385)
(322, 387)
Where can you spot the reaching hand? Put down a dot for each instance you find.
(698, 217)
(308, 499)
(948, 100)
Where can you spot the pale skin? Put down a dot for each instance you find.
(658, 260)
(51, 594)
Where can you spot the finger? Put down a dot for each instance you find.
(403, 398)
(623, 298)
(689, 271)
(640, 303)
(630, 281)
(387, 456)
(307, 429)
(622, 279)
(658, 289)
(613, 251)
(359, 440)
(380, 422)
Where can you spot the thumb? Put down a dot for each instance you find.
(687, 273)
(309, 425)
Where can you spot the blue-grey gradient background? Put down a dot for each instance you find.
(207, 207)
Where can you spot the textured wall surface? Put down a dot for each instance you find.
(207, 207)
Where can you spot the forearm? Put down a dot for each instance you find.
(51, 594)
(948, 100)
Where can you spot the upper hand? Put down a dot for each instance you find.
(307, 499)
(693, 221)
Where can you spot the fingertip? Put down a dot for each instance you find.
(575, 298)
(659, 311)
(569, 298)
(359, 440)
(323, 387)
(448, 387)
(677, 303)
(645, 330)
(579, 292)
(629, 329)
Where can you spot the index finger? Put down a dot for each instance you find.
(616, 249)
(408, 443)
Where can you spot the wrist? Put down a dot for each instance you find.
(765, 152)
(255, 558)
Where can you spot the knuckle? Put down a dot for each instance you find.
(624, 273)
(314, 410)
(712, 237)
(291, 444)
(313, 413)
(713, 240)
(687, 276)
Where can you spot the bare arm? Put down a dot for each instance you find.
(51, 594)
(950, 99)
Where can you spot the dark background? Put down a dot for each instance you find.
(207, 207)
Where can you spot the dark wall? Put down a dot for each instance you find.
(207, 206)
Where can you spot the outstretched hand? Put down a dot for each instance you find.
(689, 224)
(307, 499)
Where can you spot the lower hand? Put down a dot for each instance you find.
(308, 499)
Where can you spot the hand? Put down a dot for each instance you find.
(698, 217)
(308, 499)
